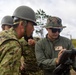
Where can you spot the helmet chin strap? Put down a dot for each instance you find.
(25, 24)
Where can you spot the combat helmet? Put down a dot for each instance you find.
(54, 22)
(26, 13)
(7, 20)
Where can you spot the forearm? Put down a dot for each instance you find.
(47, 63)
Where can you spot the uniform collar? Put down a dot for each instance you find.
(13, 32)
(57, 39)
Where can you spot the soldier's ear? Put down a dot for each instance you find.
(21, 23)
(46, 28)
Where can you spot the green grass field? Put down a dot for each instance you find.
(74, 42)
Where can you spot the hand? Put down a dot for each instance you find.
(22, 63)
(22, 67)
(31, 42)
(59, 55)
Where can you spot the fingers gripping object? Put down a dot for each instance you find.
(64, 62)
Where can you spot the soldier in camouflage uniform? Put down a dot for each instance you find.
(6, 22)
(10, 47)
(28, 42)
(49, 49)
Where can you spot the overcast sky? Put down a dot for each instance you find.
(65, 9)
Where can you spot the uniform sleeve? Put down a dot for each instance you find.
(43, 62)
(10, 58)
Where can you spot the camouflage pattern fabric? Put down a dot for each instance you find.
(54, 22)
(10, 53)
(31, 67)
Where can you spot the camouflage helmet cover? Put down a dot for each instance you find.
(26, 13)
(54, 22)
(7, 20)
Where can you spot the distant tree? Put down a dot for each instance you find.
(41, 18)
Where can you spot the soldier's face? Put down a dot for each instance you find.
(6, 27)
(29, 29)
(53, 33)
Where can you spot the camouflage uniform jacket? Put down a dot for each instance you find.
(29, 56)
(47, 52)
(10, 53)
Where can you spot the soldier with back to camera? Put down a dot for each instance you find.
(6, 22)
(10, 47)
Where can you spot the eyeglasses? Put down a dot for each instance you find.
(54, 30)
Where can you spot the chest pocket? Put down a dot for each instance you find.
(57, 50)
